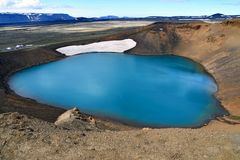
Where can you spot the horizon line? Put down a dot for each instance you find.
(113, 15)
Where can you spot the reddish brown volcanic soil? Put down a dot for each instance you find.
(215, 46)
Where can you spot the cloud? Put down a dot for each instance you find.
(34, 6)
(20, 4)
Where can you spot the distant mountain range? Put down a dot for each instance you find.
(215, 17)
(16, 18)
(32, 17)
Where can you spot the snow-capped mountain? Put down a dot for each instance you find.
(15, 18)
(110, 17)
(214, 17)
(32, 17)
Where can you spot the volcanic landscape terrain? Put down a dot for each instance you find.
(27, 129)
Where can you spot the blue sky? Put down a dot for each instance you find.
(135, 8)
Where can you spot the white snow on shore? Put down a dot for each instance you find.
(104, 46)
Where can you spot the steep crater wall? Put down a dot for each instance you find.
(215, 46)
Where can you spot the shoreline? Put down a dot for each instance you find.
(57, 56)
(112, 120)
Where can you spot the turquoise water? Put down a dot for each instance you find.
(152, 91)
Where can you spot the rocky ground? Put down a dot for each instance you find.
(23, 137)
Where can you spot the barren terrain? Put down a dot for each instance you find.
(42, 35)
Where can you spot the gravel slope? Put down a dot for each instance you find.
(24, 138)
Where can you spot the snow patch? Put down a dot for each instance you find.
(118, 46)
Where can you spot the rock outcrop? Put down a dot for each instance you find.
(74, 119)
(68, 116)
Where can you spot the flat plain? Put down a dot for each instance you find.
(42, 35)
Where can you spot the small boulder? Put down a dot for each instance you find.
(146, 129)
(68, 116)
(92, 120)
